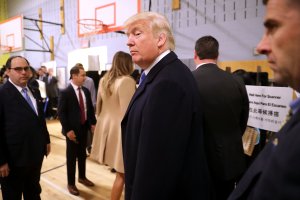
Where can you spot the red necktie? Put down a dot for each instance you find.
(81, 105)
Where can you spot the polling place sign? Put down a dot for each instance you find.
(268, 106)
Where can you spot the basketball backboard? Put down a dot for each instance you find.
(11, 34)
(112, 13)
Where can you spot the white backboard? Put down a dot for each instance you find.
(112, 13)
(11, 34)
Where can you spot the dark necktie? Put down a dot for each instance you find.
(143, 76)
(81, 105)
(27, 98)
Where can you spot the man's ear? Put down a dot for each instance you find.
(195, 55)
(162, 39)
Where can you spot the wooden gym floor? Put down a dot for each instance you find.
(54, 175)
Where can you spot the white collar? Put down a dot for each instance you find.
(75, 87)
(19, 88)
(161, 56)
(204, 64)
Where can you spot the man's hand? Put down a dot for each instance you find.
(93, 128)
(71, 135)
(4, 170)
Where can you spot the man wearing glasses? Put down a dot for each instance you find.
(24, 138)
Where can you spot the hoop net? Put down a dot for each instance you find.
(91, 26)
(88, 28)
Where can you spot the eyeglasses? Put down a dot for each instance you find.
(20, 69)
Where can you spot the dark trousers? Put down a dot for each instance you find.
(22, 181)
(51, 108)
(76, 151)
(222, 189)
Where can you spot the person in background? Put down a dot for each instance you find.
(90, 85)
(162, 134)
(52, 94)
(245, 76)
(226, 109)
(274, 174)
(24, 138)
(136, 75)
(3, 75)
(76, 115)
(42, 74)
(115, 91)
(32, 79)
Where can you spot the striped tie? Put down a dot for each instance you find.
(143, 76)
(27, 98)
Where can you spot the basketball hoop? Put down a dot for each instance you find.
(5, 49)
(91, 26)
(88, 28)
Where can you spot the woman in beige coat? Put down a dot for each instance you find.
(115, 91)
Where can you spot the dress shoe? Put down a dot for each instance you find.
(73, 190)
(86, 182)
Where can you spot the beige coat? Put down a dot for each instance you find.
(110, 110)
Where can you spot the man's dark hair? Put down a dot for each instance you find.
(207, 47)
(75, 70)
(2, 70)
(79, 64)
(8, 62)
(293, 2)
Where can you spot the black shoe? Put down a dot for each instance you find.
(73, 190)
(86, 182)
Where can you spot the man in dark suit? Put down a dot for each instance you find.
(52, 94)
(24, 138)
(226, 108)
(76, 115)
(162, 129)
(275, 172)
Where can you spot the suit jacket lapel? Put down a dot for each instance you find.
(289, 124)
(38, 99)
(73, 93)
(151, 75)
(15, 93)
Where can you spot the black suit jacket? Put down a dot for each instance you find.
(69, 110)
(226, 108)
(162, 137)
(51, 87)
(275, 173)
(23, 133)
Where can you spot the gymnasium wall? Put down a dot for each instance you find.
(237, 24)
(3, 16)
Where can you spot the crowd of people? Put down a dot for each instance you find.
(175, 135)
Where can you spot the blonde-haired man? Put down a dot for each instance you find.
(162, 128)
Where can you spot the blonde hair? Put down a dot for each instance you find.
(122, 65)
(157, 23)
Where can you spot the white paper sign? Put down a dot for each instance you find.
(269, 106)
